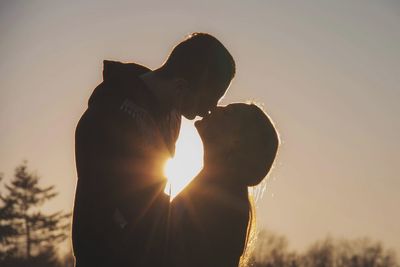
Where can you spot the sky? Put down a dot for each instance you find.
(327, 72)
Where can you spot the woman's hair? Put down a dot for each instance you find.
(250, 233)
(254, 153)
(256, 146)
(251, 157)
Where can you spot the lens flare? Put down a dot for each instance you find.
(187, 162)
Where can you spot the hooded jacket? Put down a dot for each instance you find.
(121, 144)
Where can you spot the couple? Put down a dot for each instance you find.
(121, 215)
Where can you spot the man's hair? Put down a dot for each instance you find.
(202, 55)
(258, 143)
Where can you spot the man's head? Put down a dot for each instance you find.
(204, 68)
(239, 141)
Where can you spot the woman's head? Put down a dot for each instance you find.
(240, 141)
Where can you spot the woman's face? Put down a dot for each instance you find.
(220, 130)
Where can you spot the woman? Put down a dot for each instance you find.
(211, 218)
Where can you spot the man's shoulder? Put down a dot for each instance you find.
(118, 81)
(116, 69)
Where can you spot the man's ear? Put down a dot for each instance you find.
(180, 90)
(181, 85)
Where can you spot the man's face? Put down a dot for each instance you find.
(199, 102)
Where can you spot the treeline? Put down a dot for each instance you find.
(271, 250)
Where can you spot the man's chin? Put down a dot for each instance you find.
(189, 116)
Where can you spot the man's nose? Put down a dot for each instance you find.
(208, 111)
(205, 114)
(216, 109)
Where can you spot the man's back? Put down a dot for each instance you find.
(120, 153)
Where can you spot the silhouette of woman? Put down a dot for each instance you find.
(211, 218)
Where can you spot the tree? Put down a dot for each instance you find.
(6, 228)
(25, 231)
(272, 251)
(349, 253)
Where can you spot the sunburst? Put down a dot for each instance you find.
(187, 162)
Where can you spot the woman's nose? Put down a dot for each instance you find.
(216, 109)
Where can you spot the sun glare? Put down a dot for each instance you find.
(188, 160)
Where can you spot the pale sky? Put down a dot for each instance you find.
(327, 72)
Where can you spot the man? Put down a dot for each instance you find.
(122, 142)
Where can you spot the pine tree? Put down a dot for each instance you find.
(26, 229)
(7, 229)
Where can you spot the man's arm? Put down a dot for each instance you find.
(119, 152)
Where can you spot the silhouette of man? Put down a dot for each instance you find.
(122, 141)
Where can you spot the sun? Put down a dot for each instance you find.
(188, 160)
